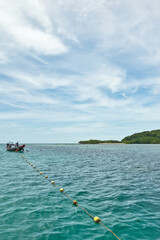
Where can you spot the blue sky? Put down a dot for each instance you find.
(75, 70)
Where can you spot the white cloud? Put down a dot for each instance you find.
(43, 26)
(130, 27)
(23, 33)
(80, 128)
(91, 86)
(96, 78)
(3, 58)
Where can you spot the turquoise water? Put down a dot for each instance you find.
(118, 183)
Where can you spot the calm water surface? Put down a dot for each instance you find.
(118, 183)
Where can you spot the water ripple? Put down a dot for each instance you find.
(119, 183)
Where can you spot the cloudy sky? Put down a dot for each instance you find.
(73, 70)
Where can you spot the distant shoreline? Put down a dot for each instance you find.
(112, 143)
(95, 141)
(146, 137)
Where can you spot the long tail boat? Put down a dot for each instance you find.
(15, 147)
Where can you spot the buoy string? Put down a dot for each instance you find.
(69, 197)
(110, 231)
(86, 211)
(40, 171)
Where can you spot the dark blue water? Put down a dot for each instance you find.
(118, 183)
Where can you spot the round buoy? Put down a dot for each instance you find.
(75, 202)
(41, 172)
(46, 176)
(52, 182)
(97, 219)
(61, 190)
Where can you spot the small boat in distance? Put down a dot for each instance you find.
(15, 147)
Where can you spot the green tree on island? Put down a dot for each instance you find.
(147, 137)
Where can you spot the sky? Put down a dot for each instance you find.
(76, 70)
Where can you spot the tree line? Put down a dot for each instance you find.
(146, 137)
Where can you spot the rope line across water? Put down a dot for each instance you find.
(96, 219)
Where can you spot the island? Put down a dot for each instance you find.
(146, 137)
(95, 141)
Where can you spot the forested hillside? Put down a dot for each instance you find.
(147, 137)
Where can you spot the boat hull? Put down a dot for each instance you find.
(16, 149)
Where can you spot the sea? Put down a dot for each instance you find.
(119, 183)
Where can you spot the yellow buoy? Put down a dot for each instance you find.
(52, 182)
(41, 172)
(61, 190)
(37, 170)
(75, 202)
(46, 176)
(97, 219)
(34, 166)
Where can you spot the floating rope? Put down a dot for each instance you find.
(96, 219)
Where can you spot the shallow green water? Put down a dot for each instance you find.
(118, 183)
